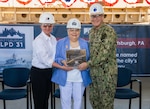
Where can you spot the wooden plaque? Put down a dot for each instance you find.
(75, 57)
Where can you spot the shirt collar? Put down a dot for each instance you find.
(45, 36)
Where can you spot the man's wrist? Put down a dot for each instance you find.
(89, 63)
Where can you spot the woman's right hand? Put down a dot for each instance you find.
(67, 68)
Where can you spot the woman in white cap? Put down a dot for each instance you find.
(44, 48)
(71, 83)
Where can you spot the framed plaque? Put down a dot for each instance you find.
(75, 57)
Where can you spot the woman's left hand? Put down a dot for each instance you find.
(64, 62)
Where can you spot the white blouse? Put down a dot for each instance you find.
(44, 49)
(75, 74)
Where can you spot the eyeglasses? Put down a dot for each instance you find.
(95, 16)
(47, 25)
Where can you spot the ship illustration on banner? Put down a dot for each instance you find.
(14, 61)
(12, 39)
(15, 46)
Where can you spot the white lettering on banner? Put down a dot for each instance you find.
(128, 55)
(129, 43)
(120, 61)
(133, 43)
(127, 58)
(130, 61)
(6, 44)
(121, 66)
(19, 44)
(127, 61)
(140, 42)
(11, 45)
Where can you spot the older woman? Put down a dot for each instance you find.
(71, 83)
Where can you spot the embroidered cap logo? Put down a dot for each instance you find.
(95, 9)
(74, 23)
(48, 18)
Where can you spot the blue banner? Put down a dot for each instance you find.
(133, 44)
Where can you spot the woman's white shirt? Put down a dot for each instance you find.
(44, 49)
(75, 74)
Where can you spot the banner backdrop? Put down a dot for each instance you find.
(15, 46)
(133, 47)
(133, 44)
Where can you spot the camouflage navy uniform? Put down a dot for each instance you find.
(103, 66)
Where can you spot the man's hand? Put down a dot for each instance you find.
(83, 66)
